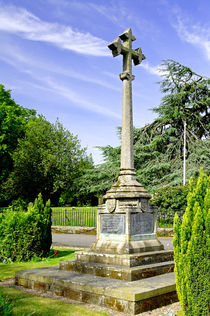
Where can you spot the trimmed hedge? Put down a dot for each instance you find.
(192, 250)
(24, 235)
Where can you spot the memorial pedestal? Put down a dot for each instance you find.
(126, 223)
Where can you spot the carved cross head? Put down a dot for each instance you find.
(123, 45)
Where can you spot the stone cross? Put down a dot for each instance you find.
(125, 48)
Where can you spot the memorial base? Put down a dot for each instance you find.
(109, 245)
(129, 267)
(132, 283)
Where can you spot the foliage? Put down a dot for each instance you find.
(49, 160)
(191, 249)
(171, 199)
(187, 99)
(97, 180)
(24, 235)
(158, 147)
(13, 121)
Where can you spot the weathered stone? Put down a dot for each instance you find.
(130, 297)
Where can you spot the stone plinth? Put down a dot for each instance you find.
(129, 267)
(128, 297)
(126, 223)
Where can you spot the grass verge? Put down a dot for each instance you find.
(7, 270)
(25, 304)
(16, 302)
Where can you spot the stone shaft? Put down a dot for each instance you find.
(125, 48)
(127, 125)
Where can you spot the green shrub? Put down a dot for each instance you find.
(171, 199)
(24, 235)
(191, 250)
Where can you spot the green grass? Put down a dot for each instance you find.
(7, 270)
(25, 304)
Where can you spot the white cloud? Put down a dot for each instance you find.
(154, 70)
(78, 98)
(23, 23)
(26, 63)
(195, 35)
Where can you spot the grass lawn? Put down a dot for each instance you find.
(7, 270)
(25, 304)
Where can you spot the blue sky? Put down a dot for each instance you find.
(54, 58)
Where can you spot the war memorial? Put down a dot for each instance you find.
(127, 268)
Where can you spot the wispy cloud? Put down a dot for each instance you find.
(23, 23)
(154, 70)
(78, 98)
(26, 63)
(195, 34)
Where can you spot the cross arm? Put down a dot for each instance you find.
(118, 48)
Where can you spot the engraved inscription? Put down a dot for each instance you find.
(142, 223)
(113, 224)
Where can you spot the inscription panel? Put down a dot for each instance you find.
(142, 223)
(113, 223)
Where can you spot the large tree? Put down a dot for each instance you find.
(48, 160)
(13, 120)
(158, 147)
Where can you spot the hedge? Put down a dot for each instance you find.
(24, 235)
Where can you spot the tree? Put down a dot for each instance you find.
(13, 120)
(191, 250)
(98, 179)
(48, 160)
(158, 147)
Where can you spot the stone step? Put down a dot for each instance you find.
(118, 272)
(129, 260)
(128, 297)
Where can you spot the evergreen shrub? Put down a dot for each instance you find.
(24, 235)
(192, 250)
(171, 199)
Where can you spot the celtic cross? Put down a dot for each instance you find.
(123, 45)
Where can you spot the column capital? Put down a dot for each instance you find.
(126, 75)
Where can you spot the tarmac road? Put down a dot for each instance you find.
(85, 241)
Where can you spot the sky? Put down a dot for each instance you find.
(54, 58)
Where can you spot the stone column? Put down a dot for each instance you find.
(127, 123)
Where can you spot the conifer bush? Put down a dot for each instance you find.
(24, 235)
(192, 250)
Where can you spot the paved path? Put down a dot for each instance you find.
(85, 241)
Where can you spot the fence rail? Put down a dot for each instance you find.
(75, 217)
(87, 216)
(165, 219)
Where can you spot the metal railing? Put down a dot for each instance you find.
(165, 219)
(84, 216)
(87, 217)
